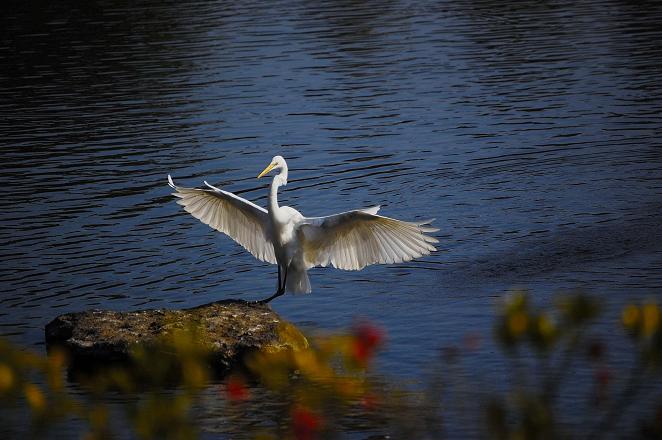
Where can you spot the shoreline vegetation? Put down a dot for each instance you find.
(325, 386)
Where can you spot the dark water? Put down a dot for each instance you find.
(530, 130)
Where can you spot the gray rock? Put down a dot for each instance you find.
(228, 329)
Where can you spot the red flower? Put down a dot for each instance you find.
(236, 389)
(305, 424)
(367, 337)
(602, 377)
(370, 402)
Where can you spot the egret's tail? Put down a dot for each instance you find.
(297, 281)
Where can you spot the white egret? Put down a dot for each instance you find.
(281, 235)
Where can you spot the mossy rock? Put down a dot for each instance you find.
(227, 329)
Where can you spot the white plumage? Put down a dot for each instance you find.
(281, 235)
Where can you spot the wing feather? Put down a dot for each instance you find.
(385, 242)
(243, 221)
(355, 239)
(402, 243)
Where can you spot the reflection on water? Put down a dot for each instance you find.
(530, 130)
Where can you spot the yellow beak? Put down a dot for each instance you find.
(267, 169)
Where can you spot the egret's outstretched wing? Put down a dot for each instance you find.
(243, 221)
(355, 239)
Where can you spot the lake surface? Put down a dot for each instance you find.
(531, 131)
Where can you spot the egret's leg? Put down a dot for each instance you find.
(284, 281)
(281, 288)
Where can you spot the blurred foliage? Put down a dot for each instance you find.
(326, 385)
(530, 410)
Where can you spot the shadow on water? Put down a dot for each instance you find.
(564, 249)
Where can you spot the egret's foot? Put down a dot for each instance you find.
(274, 296)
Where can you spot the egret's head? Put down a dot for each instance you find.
(276, 163)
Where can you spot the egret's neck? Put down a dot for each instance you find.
(279, 180)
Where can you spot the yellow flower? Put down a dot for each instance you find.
(98, 416)
(630, 317)
(517, 300)
(545, 327)
(307, 362)
(651, 318)
(35, 397)
(517, 323)
(56, 361)
(6, 378)
(194, 374)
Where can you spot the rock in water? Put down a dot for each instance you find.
(228, 329)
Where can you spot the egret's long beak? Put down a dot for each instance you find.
(267, 169)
